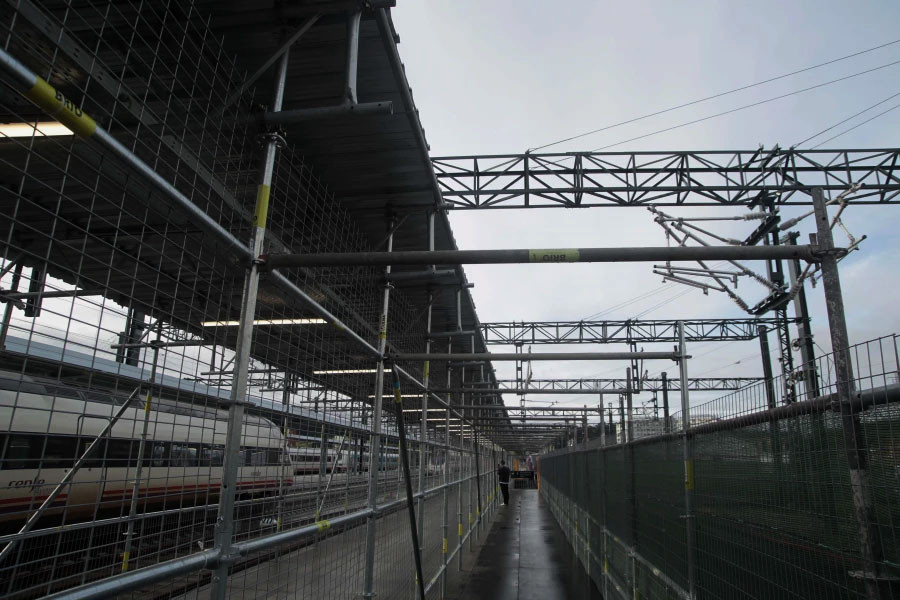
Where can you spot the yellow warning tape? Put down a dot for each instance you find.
(689, 474)
(125, 557)
(445, 545)
(425, 370)
(54, 103)
(323, 525)
(262, 205)
(459, 529)
(554, 255)
(147, 402)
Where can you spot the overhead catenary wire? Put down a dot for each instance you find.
(850, 118)
(713, 96)
(848, 130)
(747, 106)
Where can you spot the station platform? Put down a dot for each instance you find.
(525, 556)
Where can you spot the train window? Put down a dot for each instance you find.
(212, 456)
(23, 452)
(59, 452)
(158, 453)
(94, 396)
(122, 453)
(97, 457)
(184, 455)
(61, 391)
(25, 387)
(253, 457)
(273, 456)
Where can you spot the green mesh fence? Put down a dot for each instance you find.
(772, 504)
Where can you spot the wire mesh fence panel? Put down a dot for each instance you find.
(134, 404)
(774, 508)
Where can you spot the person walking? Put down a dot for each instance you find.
(503, 476)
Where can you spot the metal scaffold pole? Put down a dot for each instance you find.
(232, 458)
(135, 491)
(877, 584)
(542, 255)
(688, 468)
(375, 437)
(423, 428)
(407, 480)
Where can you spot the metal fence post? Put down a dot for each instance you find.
(232, 459)
(688, 465)
(876, 584)
(665, 394)
(767, 365)
(375, 438)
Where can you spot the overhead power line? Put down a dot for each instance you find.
(714, 96)
(865, 110)
(848, 130)
(746, 106)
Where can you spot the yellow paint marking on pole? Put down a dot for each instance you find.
(689, 474)
(554, 255)
(54, 103)
(262, 205)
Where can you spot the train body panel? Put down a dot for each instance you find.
(46, 427)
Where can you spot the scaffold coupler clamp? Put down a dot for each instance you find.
(275, 136)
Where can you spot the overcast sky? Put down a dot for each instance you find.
(504, 76)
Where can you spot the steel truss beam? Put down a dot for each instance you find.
(593, 386)
(704, 178)
(628, 331)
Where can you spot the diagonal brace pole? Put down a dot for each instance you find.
(404, 460)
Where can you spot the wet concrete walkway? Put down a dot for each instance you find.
(526, 557)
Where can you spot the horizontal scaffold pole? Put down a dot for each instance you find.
(522, 391)
(543, 255)
(575, 409)
(511, 356)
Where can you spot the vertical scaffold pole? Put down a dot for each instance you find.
(142, 444)
(407, 480)
(877, 586)
(688, 465)
(477, 479)
(460, 476)
(445, 499)
(375, 438)
(225, 517)
(423, 427)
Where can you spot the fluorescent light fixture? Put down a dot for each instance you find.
(348, 372)
(418, 410)
(39, 129)
(309, 321)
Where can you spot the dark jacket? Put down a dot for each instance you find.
(503, 474)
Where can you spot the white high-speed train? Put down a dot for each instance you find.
(44, 427)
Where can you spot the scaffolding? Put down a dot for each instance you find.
(175, 420)
(239, 355)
